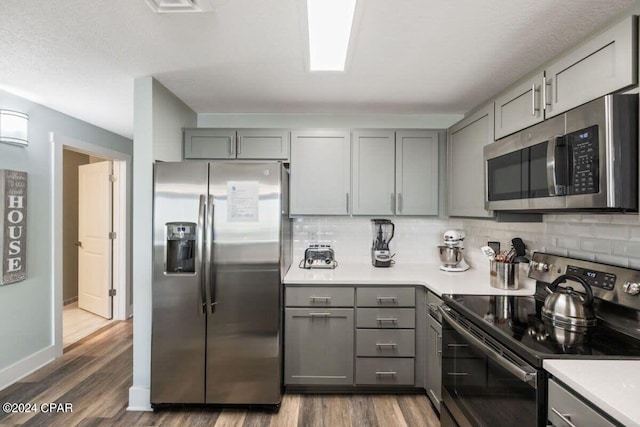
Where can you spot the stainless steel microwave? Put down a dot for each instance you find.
(584, 159)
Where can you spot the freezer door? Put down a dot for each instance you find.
(179, 319)
(243, 328)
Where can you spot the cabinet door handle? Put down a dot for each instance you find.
(457, 345)
(438, 344)
(239, 146)
(393, 202)
(400, 202)
(533, 100)
(564, 417)
(545, 83)
(312, 298)
(458, 374)
(382, 299)
(386, 344)
(390, 373)
(347, 202)
(319, 314)
(387, 319)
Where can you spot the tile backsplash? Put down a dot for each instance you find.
(612, 239)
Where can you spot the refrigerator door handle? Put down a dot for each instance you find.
(209, 282)
(202, 306)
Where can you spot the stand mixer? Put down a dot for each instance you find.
(451, 252)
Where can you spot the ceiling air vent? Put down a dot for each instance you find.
(172, 6)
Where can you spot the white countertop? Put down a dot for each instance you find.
(611, 385)
(471, 282)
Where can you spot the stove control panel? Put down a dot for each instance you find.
(597, 279)
(612, 283)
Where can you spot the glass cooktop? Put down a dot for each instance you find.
(516, 322)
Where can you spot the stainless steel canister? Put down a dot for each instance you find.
(504, 275)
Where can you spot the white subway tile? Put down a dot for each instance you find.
(568, 242)
(596, 245)
(612, 259)
(634, 232)
(614, 232)
(632, 219)
(627, 249)
(589, 256)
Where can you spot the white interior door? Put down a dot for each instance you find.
(94, 249)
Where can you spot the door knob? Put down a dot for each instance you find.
(78, 244)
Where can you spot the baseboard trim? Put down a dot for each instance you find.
(14, 373)
(139, 399)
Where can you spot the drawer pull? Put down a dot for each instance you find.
(564, 417)
(320, 298)
(383, 299)
(389, 373)
(387, 319)
(319, 314)
(458, 374)
(457, 345)
(384, 344)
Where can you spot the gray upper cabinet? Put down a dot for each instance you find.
(465, 157)
(395, 172)
(604, 64)
(202, 143)
(263, 144)
(373, 172)
(250, 144)
(320, 172)
(520, 107)
(416, 173)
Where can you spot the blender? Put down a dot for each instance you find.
(451, 252)
(382, 230)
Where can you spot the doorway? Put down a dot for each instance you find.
(87, 253)
(107, 175)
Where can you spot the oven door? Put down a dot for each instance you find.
(483, 383)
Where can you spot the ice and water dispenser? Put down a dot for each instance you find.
(181, 247)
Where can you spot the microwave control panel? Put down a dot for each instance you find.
(584, 161)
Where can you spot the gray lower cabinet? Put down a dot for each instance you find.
(567, 409)
(433, 372)
(249, 144)
(371, 340)
(318, 346)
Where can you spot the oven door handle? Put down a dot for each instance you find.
(527, 376)
(555, 185)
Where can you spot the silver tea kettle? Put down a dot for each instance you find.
(566, 308)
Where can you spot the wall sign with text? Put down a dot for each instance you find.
(13, 193)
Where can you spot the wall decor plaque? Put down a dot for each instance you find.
(13, 235)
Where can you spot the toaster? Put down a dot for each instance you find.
(319, 256)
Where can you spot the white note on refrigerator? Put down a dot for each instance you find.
(243, 201)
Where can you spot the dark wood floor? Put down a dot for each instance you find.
(95, 377)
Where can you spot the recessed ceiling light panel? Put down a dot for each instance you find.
(171, 6)
(330, 23)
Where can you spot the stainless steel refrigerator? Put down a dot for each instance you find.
(222, 244)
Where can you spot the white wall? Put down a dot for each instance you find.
(159, 117)
(26, 308)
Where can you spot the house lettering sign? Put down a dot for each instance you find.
(13, 192)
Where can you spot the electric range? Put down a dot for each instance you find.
(494, 346)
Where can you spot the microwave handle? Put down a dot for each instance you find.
(555, 188)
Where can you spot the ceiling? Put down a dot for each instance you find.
(249, 56)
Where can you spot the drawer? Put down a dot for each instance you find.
(385, 342)
(388, 318)
(386, 297)
(380, 370)
(573, 408)
(319, 296)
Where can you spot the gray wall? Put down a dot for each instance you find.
(70, 162)
(26, 308)
(159, 117)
